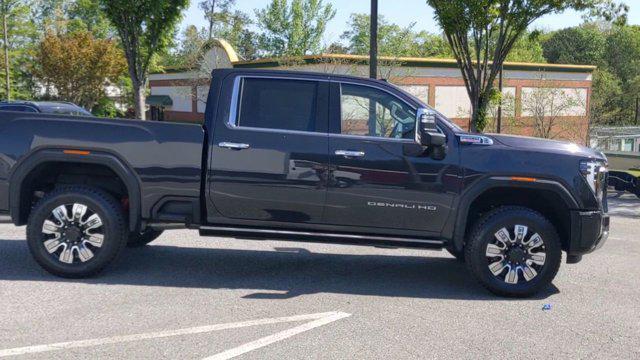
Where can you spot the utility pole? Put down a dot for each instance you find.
(7, 70)
(499, 121)
(373, 48)
(637, 110)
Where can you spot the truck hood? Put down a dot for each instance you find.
(544, 145)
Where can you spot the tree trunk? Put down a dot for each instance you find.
(479, 108)
(211, 15)
(7, 68)
(474, 119)
(139, 97)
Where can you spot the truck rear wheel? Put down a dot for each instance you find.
(514, 252)
(143, 238)
(76, 231)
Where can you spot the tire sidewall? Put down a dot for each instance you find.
(112, 229)
(508, 219)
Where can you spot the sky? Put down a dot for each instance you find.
(401, 12)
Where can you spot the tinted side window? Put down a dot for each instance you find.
(66, 110)
(17, 108)
(367, 111)
(278, 104)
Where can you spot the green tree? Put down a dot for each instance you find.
(527, 49)
(431, 45)
(145, 28)
(293, 29)
(234, 28)
(214, 16)
(482, 33)
(87, 15)
(393, 40)
(605, 98)
(231, 25)
(188, 50)
(17, 35)
(623, 52)
(63, 16)
(584, 45)
(7, 9)
(78, 66)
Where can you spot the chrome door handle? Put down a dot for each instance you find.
(350, 154)
(233, 146)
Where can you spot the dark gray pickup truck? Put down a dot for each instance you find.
(304, 157)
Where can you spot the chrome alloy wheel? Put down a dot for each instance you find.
(514, 253)
(73, 236)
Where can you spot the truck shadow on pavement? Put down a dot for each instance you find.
(281, 274)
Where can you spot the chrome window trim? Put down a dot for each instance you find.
(231, 122)
(372, 138)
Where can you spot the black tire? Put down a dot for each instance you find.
(141, 239)
(459, 255)
(113, 230)
(484, 233)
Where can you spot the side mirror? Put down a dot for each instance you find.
(426, 130)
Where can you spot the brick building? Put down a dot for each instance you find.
(546, 100)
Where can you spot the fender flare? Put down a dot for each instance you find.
(41, 156)
(490, 183)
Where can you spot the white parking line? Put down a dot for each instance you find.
(317, 320)
(268, 340)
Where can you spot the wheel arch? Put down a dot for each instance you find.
(512, 192)
(18, 205)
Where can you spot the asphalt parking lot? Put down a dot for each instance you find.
(191, 298)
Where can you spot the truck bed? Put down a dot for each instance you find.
(161, 156)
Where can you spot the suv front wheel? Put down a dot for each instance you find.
(76, 231)
(514, 252)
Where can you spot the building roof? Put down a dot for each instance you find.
(363, 59)
(405, 61)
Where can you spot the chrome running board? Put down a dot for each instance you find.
(339, 238)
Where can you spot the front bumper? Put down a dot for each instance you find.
(589, 232)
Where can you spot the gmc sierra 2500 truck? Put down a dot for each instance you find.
(304, 157)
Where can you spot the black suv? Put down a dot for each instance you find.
(304, 157)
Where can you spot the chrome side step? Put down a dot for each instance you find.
(338, 238)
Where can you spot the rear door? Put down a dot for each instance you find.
(379, 177)
(269, 154)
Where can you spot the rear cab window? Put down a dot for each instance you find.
(278, 104)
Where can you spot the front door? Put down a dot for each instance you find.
(379, 177)
(269, 160)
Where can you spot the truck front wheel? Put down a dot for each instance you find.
(76, 231)
(514, 252)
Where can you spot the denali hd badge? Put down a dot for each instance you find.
(402, 206)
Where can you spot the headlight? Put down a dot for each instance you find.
(595, 172)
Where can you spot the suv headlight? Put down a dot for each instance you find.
(595, 172)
